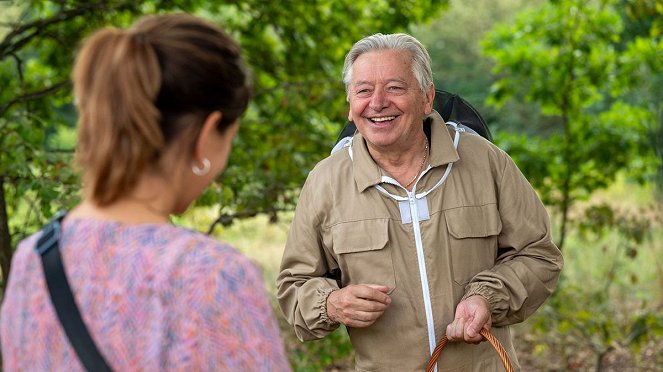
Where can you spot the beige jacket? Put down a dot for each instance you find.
(471, 225)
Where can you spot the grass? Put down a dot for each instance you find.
(607, 314)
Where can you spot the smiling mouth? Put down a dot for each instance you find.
(382, 119)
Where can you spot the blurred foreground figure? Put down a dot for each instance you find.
(159, 106)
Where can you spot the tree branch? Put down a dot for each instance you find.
(19, 66)
(22, 34)
(226, 219)
(33, 95)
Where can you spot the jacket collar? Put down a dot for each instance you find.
(366, 171)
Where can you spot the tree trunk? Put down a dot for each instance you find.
(5, 237)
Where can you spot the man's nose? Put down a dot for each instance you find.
(378, 100)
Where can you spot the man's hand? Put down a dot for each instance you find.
(358, 305)
(472, 314)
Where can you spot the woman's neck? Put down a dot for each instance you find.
(151, 201)
(120, 211)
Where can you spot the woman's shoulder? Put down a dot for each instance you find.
(205, 267)
(204, 256)
(127, 235)
(165, 248)
(23, 257)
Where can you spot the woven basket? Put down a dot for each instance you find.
(485, 333)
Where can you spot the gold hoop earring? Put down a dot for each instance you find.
(198, 171)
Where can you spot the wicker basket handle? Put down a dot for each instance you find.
(485, 333)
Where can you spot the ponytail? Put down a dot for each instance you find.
(140, 90)
(116, 82)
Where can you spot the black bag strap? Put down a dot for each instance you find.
(63, 299)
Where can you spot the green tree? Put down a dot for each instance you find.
(453, 42)
(587, 65)
(295, 48)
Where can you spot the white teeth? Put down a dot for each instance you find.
(385, 118)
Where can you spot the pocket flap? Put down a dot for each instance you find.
(360, 236)
(474, 221)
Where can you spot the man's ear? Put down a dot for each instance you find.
(430, 98)
(209, 125)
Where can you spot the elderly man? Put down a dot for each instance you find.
(415, 230)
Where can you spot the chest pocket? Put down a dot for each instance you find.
(363, 253)
(473, 234)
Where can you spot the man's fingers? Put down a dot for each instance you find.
(360, 318)
(480, 320)
(372, 292)
(357, 305)
(381, 288)
(471, 331)
(367, 293)
(455, 330)
(475, 327)
(472, 314)
(364, 305)
(459, 330)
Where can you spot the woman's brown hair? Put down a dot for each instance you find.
(138, 89)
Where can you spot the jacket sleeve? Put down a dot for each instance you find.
(526, 274)
(305, 279)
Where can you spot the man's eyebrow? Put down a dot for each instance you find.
(397, 81)
(361, 82)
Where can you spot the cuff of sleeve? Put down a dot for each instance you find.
(494, 298)
(321, 305)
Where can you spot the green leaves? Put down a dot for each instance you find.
(575, 61)
(296, 52)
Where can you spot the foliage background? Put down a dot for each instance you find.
(296, 51)
(571, 89)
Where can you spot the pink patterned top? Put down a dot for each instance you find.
(154, 297)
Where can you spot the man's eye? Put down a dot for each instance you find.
(363, 92)
(396, 90)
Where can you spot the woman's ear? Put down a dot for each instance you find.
(209, 126)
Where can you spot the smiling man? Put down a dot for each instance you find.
(414, 230)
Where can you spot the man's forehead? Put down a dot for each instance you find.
(384, 57)
(382, 65)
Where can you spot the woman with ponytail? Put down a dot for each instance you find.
(159, 105)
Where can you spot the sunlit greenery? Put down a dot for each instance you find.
(571, 89)
(295, 50)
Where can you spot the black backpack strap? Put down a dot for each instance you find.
(63, 299)
(447, 109)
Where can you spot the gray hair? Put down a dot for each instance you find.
(420, 59)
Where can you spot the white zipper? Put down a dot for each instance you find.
(423, 275)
